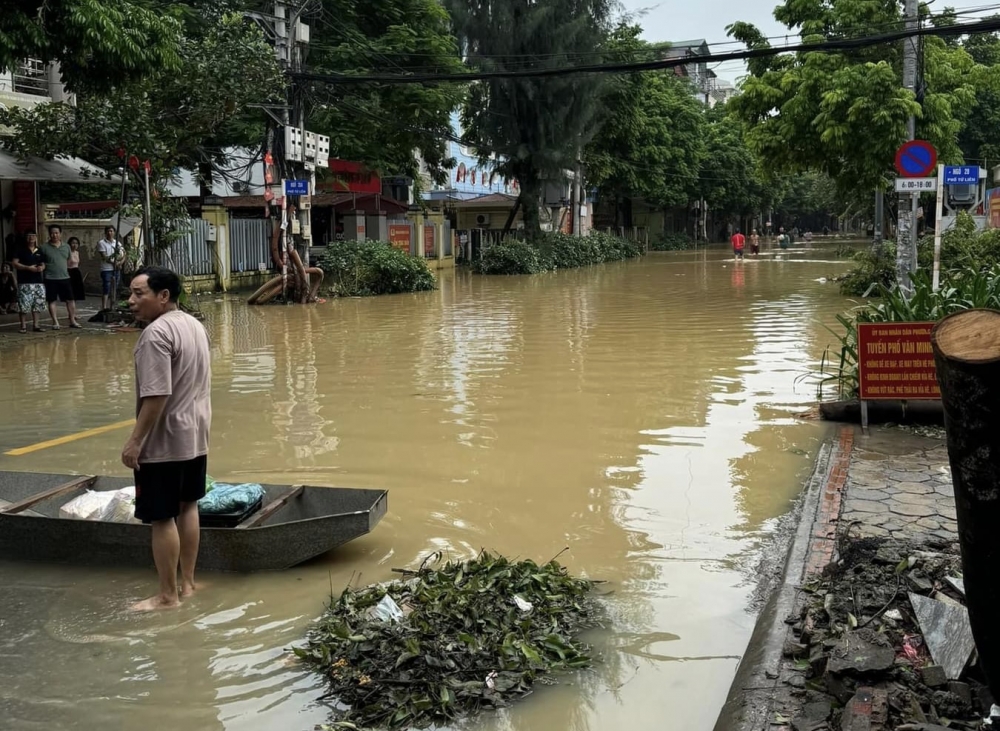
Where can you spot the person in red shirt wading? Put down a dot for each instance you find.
(739, 243)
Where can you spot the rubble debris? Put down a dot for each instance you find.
(866, 711)
(920, 583)
(946, 632)
(857, 655)
(962, 690)
(858, 641)
(933, 676)
(957, 583)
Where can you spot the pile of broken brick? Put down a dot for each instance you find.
(883, 643)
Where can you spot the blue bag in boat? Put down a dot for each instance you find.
(226, 499)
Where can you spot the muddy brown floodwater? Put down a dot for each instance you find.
(639, 413)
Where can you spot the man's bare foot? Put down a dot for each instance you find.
(188, 588)
(155, 603)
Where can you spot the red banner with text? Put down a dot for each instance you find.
(399, 236)
(896, 361)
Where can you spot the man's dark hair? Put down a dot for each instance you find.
(55, 227)
(161, 278)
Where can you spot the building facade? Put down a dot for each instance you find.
(30, 83)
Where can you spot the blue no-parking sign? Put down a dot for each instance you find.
(916, 159)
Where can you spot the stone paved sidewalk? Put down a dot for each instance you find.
(899, 486)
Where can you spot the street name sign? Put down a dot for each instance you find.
(963, 174)
(916, 159)
(296, 187)
(916, 185)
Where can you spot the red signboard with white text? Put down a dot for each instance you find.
(350, 177)
(896, 361)
(399, 236)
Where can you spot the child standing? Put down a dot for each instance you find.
(8, 289)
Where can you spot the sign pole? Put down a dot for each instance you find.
(938, 212)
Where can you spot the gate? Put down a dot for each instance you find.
(189, 254)
(249, 244)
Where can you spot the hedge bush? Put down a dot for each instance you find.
(365, 268)
(672, 242)
(554, 251)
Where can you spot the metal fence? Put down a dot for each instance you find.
(249, 244)
(190, 253)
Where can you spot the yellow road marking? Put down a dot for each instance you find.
(70, 438)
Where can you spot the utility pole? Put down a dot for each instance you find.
(879, 221)
(302, 151)
(906, 226)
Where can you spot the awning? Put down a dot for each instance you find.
(62, 169)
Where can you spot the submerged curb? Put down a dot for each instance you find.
(758, 682)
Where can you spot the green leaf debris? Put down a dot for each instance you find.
(450, 641)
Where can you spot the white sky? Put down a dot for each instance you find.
(682, 20)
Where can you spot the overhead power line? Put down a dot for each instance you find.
(847, 44)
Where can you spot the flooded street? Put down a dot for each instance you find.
(641, 414)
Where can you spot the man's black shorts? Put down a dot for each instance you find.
(60, 289)
(161, 487)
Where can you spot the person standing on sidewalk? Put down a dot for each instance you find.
(168, 447)
(75, 275)
(58, 285)
(110, 250)
(29, 264)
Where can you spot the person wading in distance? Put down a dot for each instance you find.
(168, 447)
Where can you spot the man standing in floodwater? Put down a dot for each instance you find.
(739, 243)
(168, 448)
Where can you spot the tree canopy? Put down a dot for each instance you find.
(97, 43)
(382, 125)
(845, 114)
(980, 136)
(651, 142)
(181, 118)
(536, 127)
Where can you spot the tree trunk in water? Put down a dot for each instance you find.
(276, 254)
(967, 354)
(530, 194)
(511, 217)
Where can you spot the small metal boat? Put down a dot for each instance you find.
(293, 524)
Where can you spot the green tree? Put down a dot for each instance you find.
(175, 118)
(382, 125)
(845, 114)
(536, 127)
(98, 43)
(651, 141)
(808, 200)
(731, 179)
(980, 137)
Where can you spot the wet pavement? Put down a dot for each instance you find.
(642, 414)
(899, 486)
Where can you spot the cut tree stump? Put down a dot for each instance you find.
(967, 354)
